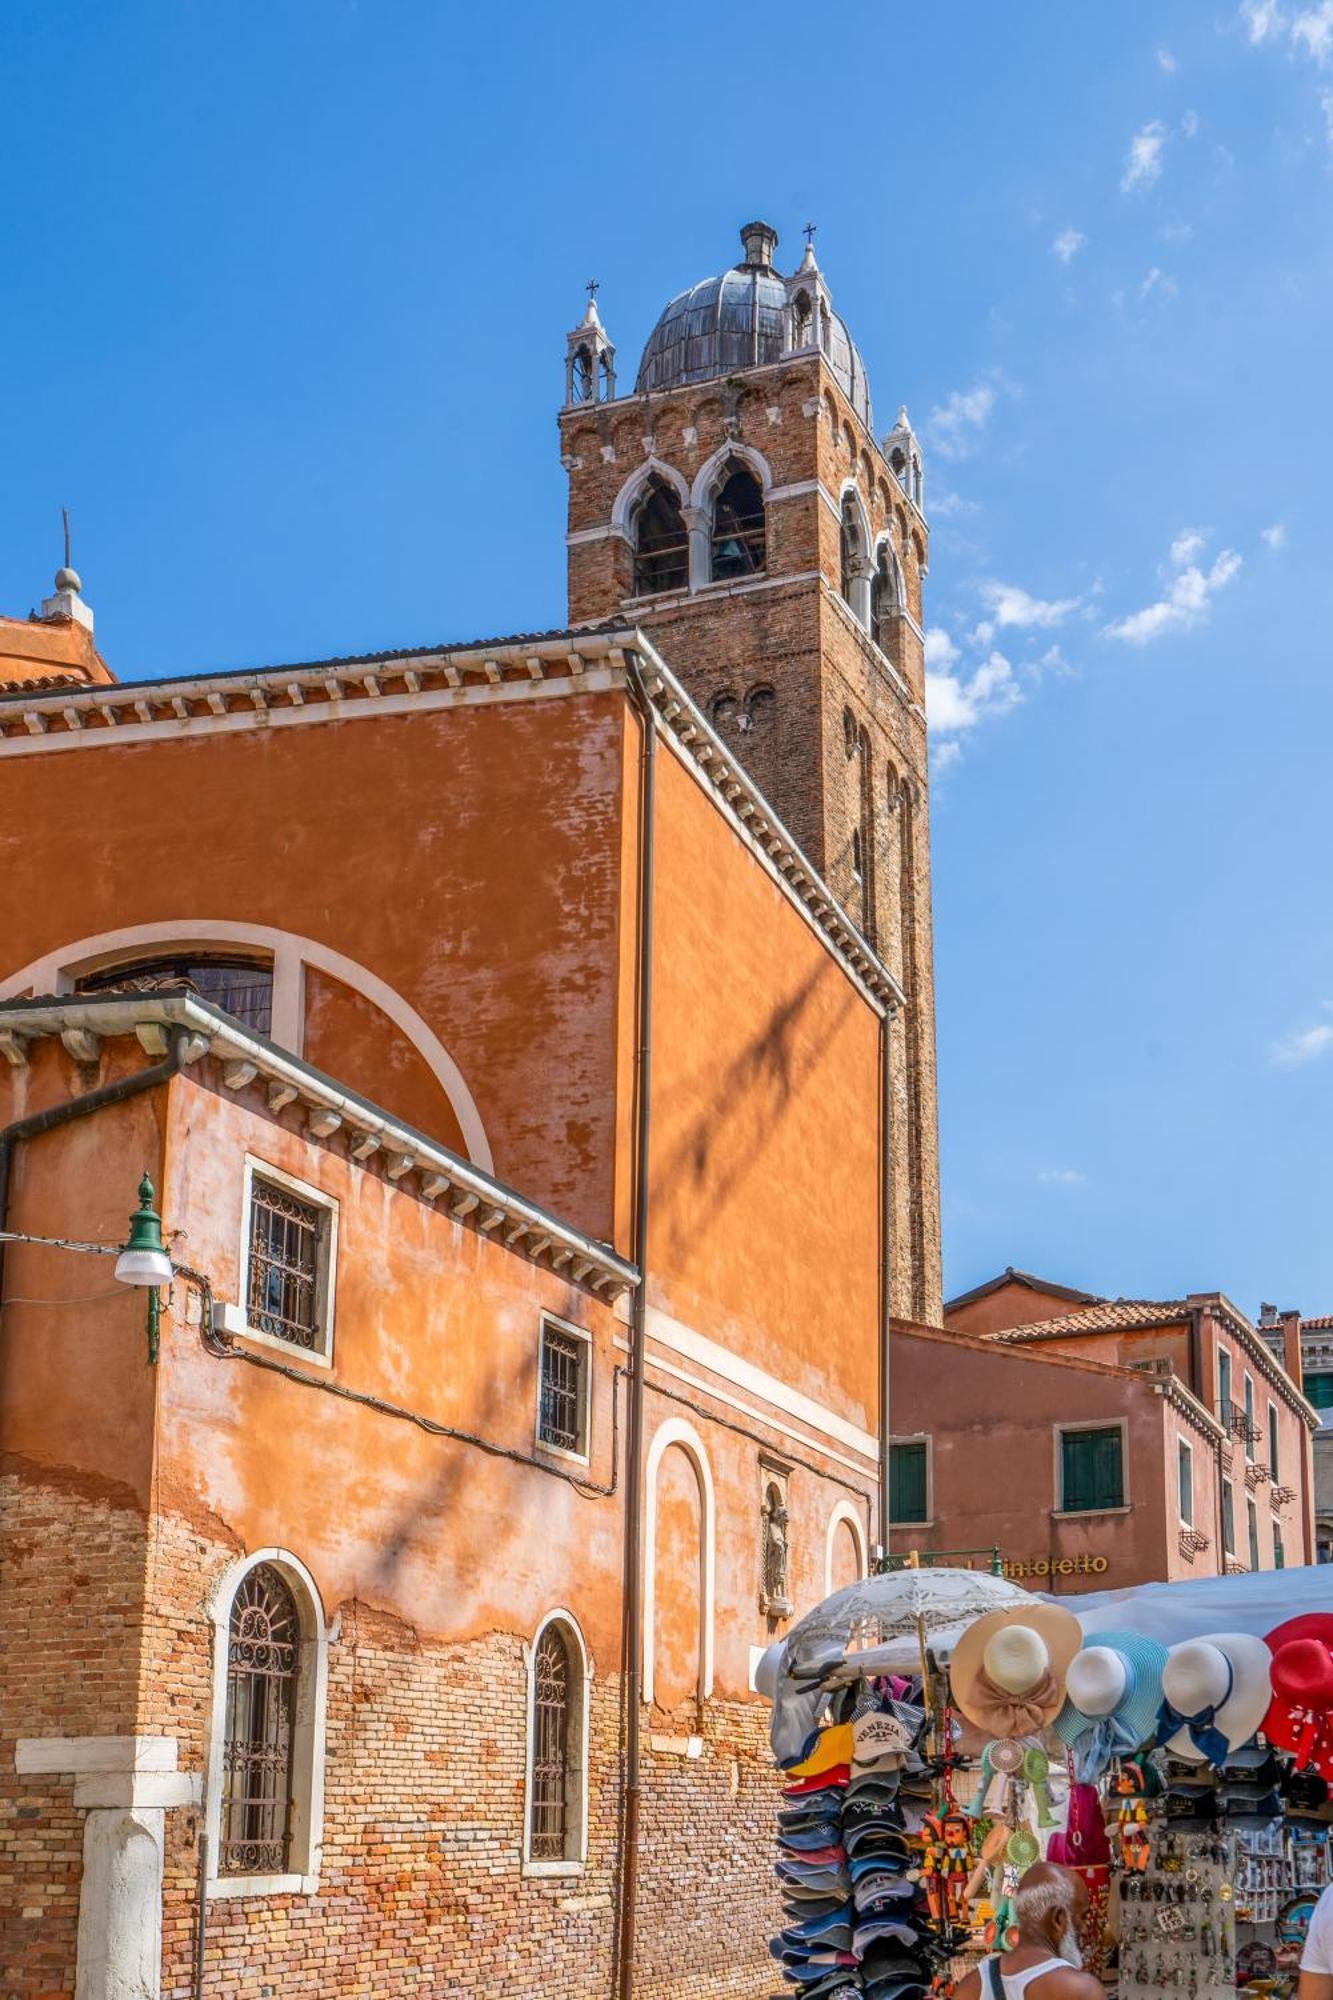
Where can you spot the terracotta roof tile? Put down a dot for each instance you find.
(1108, 1316)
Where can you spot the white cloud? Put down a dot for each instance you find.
(957, 702)
(1189, 543)
(1068, 244)
(945, 753)
(1262, 18)
(944, 506)
(1157, 281)
(1144, 162)
(1312, 30)
(1062, 1177)
(1326, 106)
(940, 650)
(1274, 537)
(1009, 605)
(1305, 1044)
(1189, 125)
(1186, 601)
(1166, 61)
(956, 425)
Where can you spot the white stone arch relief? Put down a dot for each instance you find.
(627, 498)
(883, 544)
(309, 1730)
(844, 1511)
(58, 971)
(573, 1633)
(675, 1430)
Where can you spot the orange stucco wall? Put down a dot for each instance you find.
(469, 857)
(765, 1202)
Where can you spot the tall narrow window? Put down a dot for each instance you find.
(883, 599)
(849, 548)
(738, 526)
(908, 1485)
(1251, 1431)
(1185, 1466)
(1274, 1472)
(562, 1416)
(1252, 1515)
(661, 543)
(1224, 1386)
(582, 377)
(289, 1265)
(557, 1749)
(1228, 1517)
(263, 1662)
(802, 319)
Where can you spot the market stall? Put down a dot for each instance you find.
(937, 1731)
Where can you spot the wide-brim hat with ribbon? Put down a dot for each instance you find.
(1008, 1669)
(1113, 1695)
(1215, 1693)
(1300, 1716)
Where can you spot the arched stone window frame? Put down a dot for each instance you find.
(59, 971)
(309, 1730)
(859, 601)
(884, 549)
(844, 1510)
(675, 1430)
(708, 480)
(575, 1863)
(627, 499)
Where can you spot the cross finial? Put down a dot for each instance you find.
(809, 233)
(592, 288)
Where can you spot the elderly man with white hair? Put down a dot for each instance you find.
(1044, 1963)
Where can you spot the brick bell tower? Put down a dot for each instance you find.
(739, 509)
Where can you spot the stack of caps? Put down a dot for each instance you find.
(846, 1861)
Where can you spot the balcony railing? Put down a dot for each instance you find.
(1239, 1425)
(1193, 1543)
(1256, 1473)
(1282, 1496)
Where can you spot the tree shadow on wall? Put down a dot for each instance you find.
(742, 1105)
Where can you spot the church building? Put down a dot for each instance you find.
(528, 1048)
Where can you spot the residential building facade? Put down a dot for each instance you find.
(526, 1114)
(1113, 1442)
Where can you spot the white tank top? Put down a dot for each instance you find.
(1015, 1984)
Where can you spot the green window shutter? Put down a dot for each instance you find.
(1319, 1391)
(907, 1482)
(1186, 1483)
(1228, 1517)
(1224, 1381)
(1092, 1470)
(1279, 1549)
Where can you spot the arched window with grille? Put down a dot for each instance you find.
(556, 1830)
(738, 533)
(263, 1665)
(661, 541)
(265, 1796)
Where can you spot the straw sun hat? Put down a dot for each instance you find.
(1008, 1669)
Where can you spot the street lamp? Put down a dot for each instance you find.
(142, 1260)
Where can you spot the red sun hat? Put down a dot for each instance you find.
(1300, 1718)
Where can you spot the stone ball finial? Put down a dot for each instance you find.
(68, 579)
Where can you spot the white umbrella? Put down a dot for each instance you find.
(880, 1622)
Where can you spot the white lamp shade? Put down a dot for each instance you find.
(144, 1267)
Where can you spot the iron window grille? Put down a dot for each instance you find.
(552, 1743)
(283, 1289)
(263, 1662)
(562, 1414)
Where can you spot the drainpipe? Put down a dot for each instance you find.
(108, 1094)
(633, 1580)
(1197, 1384)
(885, 1271)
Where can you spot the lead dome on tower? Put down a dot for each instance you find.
(749, 317)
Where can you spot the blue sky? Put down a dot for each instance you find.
(288, 287)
